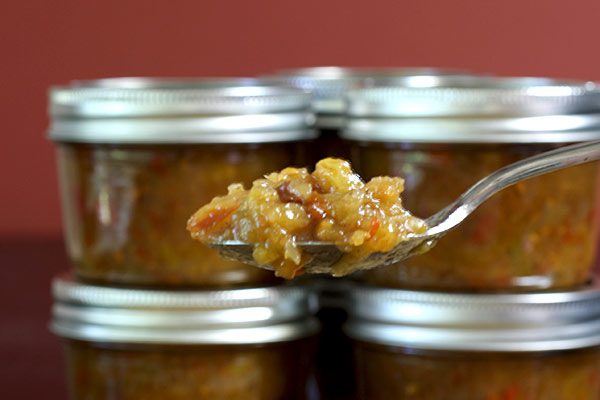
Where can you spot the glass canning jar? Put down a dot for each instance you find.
(329, 86)
(536, 235)
(127, 344)
(445, 346)
(136, 157)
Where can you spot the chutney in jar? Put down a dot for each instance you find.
(538, 234)
(126, 209)
(135, 155)
(277, 371)
(385, 372)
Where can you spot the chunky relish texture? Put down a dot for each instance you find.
(331, 205)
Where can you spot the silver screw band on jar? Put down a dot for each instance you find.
(150, 110)
(491, 110)
(476, 322)
(329, 85)
(234, 316)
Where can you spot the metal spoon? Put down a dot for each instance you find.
(327, 254)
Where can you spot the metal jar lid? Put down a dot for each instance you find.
(490, 110)
(234, 316)
(476, 322)
(329, 85)
(172, 110)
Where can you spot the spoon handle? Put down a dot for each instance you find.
(530, 167)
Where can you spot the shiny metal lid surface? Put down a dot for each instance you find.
(329, 85)
(235, 316)
(172, 110)
(476, 322)
(492, 110)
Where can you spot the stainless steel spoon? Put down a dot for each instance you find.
(326, 254)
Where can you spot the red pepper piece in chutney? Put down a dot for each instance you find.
(316, 207)
(287, 195)
(211, 219)
(375, 224)
(216, 217)
(511, 392)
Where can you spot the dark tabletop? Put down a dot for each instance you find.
(32, 365)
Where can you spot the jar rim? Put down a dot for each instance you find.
(486, 96)
(546, 321)
(139, 96)
(475, 130)
(175, 110)
(232, 316)
(329, 84)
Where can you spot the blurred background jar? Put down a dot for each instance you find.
(184, 345)
(445, 346)
(138, 156)
(537, 235)
(329, 85)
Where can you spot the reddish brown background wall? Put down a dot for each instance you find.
(49, 42)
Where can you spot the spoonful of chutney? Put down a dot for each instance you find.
(332, 222)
